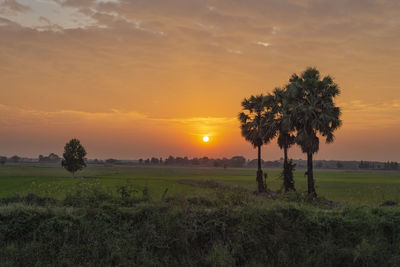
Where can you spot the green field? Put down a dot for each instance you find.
(347, 186)
(208, 217)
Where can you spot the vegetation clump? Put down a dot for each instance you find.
(196, 233)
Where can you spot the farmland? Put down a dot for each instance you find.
(169, 216)
(355, 187)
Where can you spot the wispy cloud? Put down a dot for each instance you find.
(233, 51)
(359, 114)
(362, 106)
(275, 30)
(211, 8)
(17, 114)
(12, 7)
(265, 44)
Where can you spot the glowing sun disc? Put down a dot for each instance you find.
(206, 139)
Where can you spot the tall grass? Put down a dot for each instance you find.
(95, 227)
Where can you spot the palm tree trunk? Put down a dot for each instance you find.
(285, 155)
(285, 170)
(260, 182)
(310, 176)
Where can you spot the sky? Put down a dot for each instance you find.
(141, 78)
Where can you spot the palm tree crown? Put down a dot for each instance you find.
(313, 109)
(257, 119)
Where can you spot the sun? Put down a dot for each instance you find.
(206, 139)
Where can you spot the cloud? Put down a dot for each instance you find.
(359, 114)
(211, 8)
(362, 106)
(114, 116)
(108, 1)
(188, 59)
(275, 30)
(12, 7)
(265, 44)
(238, 52)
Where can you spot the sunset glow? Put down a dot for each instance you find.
(206, 139)
(137, 79)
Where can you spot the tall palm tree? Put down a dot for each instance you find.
(313, 113)
(286, 138)
(255, 122)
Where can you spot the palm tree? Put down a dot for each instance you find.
(256, 121)
(286, 138)
(313, 113)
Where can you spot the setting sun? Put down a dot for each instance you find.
(206, 139)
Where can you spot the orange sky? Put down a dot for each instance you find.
(149, 78)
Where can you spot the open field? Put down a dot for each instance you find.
(352, 187)
(91, 223)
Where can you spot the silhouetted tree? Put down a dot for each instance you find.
(50, 158)
(195, 161)
(313, 112)
(155, 160)
(73, 157)
(3, 160)
(111, 161)
(170, 160)
(256, 120)
(286, 137)
(14, 159)
(237, 161)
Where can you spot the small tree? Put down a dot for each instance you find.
(73, 157)
(3, 160)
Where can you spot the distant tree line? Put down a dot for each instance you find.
(389, 165)
(234, 162)
(51, 158)
(13, 159)
(366, 165)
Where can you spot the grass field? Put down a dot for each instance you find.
(352, 187)
(93, 223)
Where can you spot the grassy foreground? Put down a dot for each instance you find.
(231, 227)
